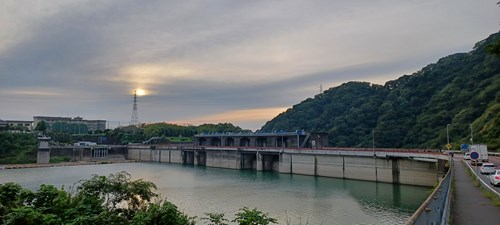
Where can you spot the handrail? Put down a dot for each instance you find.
(436, 208)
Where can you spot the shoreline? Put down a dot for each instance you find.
(79, 163)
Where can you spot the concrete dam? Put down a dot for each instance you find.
(380, 165)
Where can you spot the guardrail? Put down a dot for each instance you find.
(436, 208)
(494, 153)
(484, 184)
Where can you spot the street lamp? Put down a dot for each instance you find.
(471, 135)
(447, 134)
(373, 140)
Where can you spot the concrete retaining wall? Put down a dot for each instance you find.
(223, 159)
(390, 170)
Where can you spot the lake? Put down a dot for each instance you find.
(301, 199)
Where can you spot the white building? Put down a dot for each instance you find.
(76, 125)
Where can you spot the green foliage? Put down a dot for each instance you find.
(125, 135)
(168, 130)
(100, 200)
(117, 189)
(180, 139)
(59, 159)
(220, 127)
(164, 214)
(215, 219)
(115, 199)
(246, 216)
(41, 126)
(172, 132)
(494, 48)
(61, 137)
(412, 111)
(17, 148)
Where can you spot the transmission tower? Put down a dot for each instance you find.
(135, 115)
(320, 88)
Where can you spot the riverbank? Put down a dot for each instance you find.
(80, 163)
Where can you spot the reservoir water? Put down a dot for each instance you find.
(301, 199)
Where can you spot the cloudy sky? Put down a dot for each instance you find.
(215, 61)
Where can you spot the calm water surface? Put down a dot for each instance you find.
(301, 199)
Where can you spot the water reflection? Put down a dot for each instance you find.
(198, 190)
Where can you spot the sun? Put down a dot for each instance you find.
(140, 92)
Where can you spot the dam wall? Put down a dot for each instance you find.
(400, 168)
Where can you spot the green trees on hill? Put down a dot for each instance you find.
(462, 90)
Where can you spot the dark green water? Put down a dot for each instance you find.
(198, 190)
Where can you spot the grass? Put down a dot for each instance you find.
(180, 139)
(59, 159)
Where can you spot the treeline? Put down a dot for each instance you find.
(115, 199)
(133, 134)
(21, 147)
(462, 90)
(17, 148)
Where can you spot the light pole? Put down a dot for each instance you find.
(447, 134)
(373, 140)
(471, 135)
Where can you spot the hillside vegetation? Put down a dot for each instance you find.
(462, 90)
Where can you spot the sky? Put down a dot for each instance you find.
(216, 61)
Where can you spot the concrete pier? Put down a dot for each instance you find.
(43, 153)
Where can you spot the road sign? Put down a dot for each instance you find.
(474, 155)
(464, 147)
(448, 146)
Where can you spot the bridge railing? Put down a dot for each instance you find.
(436, 208)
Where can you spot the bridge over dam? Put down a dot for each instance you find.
(413, 167)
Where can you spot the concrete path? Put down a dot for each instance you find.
(470, 206)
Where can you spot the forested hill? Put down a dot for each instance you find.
(462, 90)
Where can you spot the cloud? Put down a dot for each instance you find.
(198, 58)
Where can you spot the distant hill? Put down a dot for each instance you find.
(462, 90)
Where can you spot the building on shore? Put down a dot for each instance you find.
(76, 125)
(16, 126)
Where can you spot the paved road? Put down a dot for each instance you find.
(486, 177)
(470, 207)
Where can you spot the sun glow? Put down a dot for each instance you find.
(140, 92)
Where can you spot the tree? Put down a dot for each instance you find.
(215, 219)
(411, 111)
(164, 213)
(115, 199)
(246, 216)
(41, 126)
(119, 192)
(495, 47)
(101, 200)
